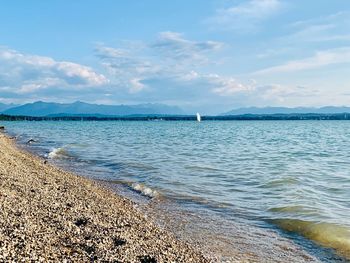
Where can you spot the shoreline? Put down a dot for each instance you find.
(48, 214)
(231, 242)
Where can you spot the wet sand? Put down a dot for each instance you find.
(47, 214)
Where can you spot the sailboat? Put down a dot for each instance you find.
(199, 118)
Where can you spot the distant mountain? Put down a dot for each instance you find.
(4, 107)
(85, 109)
(284, 110)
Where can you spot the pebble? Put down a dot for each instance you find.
(39, 222)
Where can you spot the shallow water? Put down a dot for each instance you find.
(287, 175)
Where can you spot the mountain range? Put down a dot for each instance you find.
(51, 109)
(4, 107)
(39, 109)
(285, 110)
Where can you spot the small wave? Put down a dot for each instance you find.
(58, 153)
(141, 188)
(287, 181)
(326, 234)
(201, 168)
(293, 209)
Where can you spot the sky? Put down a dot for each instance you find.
(202, 55)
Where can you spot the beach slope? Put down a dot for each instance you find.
(47, 214)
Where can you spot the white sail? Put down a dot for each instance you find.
(199, 118)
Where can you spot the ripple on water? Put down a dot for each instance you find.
(294, 210)
(265, 170)
(276, 183)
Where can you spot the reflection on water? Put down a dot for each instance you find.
(290, 174)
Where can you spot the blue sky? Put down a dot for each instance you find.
(208, 56)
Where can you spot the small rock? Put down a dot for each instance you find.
(147, 259)
(81, 222)
(119, 242)
(31, 141)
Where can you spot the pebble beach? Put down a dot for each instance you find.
(49, 215)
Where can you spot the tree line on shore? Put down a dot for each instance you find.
(342, 116)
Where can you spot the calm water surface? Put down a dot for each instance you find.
(291, 175)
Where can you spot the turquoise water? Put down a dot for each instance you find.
(291, 175)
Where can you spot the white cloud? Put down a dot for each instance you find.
(31, 74)
(159, 76)
(126, 70)
(330, 28)
(135, 75)
(320, 59)
(170, 56)
(228, 86)
(166, 71)
(108, 52)
(174, 45)
(170, 70)
(245, 16)
(136, 85)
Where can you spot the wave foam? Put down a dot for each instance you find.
(144, 190)
(57, 153)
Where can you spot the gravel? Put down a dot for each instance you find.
(49, 215)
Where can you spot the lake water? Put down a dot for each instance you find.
(289, 176)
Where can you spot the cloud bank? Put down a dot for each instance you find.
(170, 69)
(23, 75)
(318, 60)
